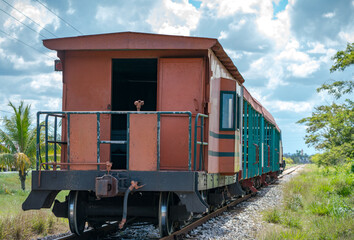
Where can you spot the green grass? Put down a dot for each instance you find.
(17, 224)
(11, 195)
(318, 204)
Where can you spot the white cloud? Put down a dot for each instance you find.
(237, 25)
(51, 80)
(226, 8)
(329, 15)
(276, 29)
(291, 53)
(269, 70)
(105, 13)
(223, 35)
(52, 104)
(317, 48)
(113, 15)
(70, 10)
(305, 69)
(233, 54)
(276, 106)
(291, 106)
(347, 36)
(176, 18)
(19, 63)
(34, 11)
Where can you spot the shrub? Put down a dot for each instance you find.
(343, 184)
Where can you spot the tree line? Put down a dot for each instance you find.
(330, 128)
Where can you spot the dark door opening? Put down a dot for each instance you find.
(132, 80)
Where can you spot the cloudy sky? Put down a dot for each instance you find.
(283, 48)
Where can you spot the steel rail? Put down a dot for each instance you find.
(204, 219)
(93, 233)
(290, 170)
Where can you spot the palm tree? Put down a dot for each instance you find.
(18, 141)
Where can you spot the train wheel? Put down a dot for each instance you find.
(165, 223)
(76, 212)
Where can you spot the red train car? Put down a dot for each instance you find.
(153, 126)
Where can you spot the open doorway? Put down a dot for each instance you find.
(132, 80)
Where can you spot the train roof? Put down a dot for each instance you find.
(144, 41)
(259, 107)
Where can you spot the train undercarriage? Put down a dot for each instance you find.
(169, 207)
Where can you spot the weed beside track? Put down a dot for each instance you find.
(17, 224)
(318, 204)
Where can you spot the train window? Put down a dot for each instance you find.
(227, 110)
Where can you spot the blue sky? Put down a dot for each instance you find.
(282, 48)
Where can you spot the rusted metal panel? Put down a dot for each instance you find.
(83, 141)
(221, 143)
(174, 75)
(143, 143)
(213, 162)
(87, 88)
(180, 84)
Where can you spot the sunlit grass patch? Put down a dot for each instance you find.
(26, 225)
(318, 204)
(272, 216)
(17, 224)
(282, 217)
(289, 234)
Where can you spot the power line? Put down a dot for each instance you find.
(30, 18)
(8, 35)
(60, 17)
(22, 23)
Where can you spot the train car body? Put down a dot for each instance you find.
(164, 117)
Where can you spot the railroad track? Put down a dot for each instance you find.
(289, 171)
(91, 233)
(112, 227)
(188, 228)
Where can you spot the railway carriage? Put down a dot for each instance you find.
(153, 127)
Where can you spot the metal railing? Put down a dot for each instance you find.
(201, 142)
(67, 115)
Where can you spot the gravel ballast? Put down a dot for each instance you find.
(243, 222)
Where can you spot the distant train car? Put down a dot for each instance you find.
(153, 126)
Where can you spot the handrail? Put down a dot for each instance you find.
(67, 114)
(201, 142)
(55, 142)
